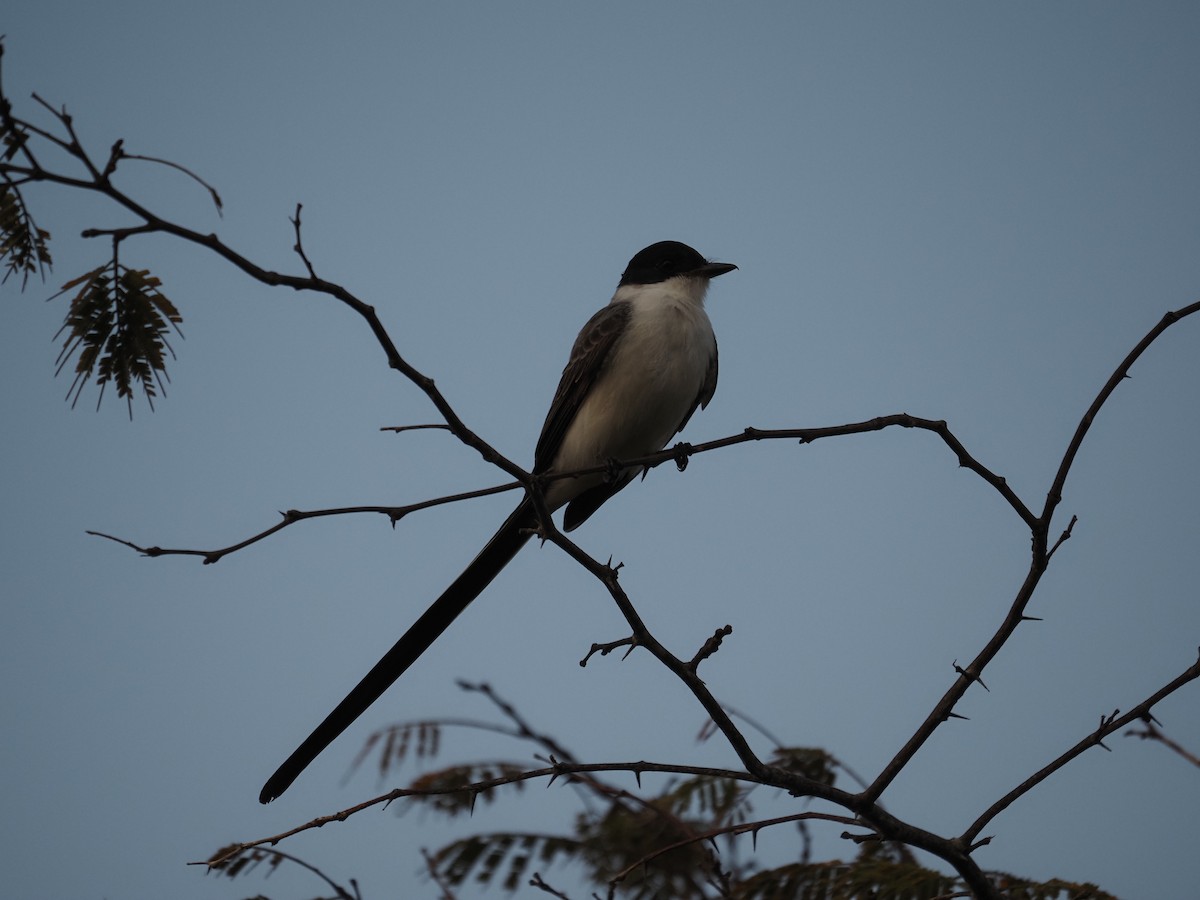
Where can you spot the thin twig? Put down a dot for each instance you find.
(1109, 725)
(1040, 559)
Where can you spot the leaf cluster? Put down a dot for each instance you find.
(117, 324)
(116, 330)
(678, 841)
(24, 247)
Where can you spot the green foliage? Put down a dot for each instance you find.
(116, 328)
(23, 246)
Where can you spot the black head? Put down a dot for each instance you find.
(666, 259)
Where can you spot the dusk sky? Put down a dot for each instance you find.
(962, 211)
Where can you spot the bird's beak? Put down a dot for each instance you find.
(713, 269)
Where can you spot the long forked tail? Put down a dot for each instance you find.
(503, 546)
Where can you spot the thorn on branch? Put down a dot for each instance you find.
(605, 649)
(970, 676)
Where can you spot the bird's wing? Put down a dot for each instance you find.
(585, 366)
(707, 389)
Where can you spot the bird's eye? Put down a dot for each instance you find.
(667, 264)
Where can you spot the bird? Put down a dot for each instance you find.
(638, 370)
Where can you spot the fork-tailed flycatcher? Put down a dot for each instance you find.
(637, 372)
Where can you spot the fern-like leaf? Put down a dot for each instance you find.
(626, 834)
(1055, 889)
(116, 329)
(251, 858)
(397, 742)
(847, 881)
(721, 800)
(502, 859)
(24, 247)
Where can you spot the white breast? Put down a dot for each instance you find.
(651, 380)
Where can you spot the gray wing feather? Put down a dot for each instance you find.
(586, 364)
(706, 390)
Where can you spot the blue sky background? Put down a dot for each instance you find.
(958, 210)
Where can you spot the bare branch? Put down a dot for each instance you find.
(609, 647)
(1040, 559)
(299, 245)
(395, 513)
(1054, 495)
(711, 646)
(557, 770)
(523, 728)
(1108, 725)
(1150, 732)
(742, 828)
(212, 191)
(292, 516)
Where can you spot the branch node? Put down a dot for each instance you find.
(604, 649)
(970, 676)
(711, 646)
(860, 838)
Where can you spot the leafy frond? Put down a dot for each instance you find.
(1055, 889)
(625, 835)
(847, 881)
(721, 800)
(116, 328)
(24, 247)
(251, 859)
(454, 785)
(245, 862)
(501, 859)
(397, 742)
